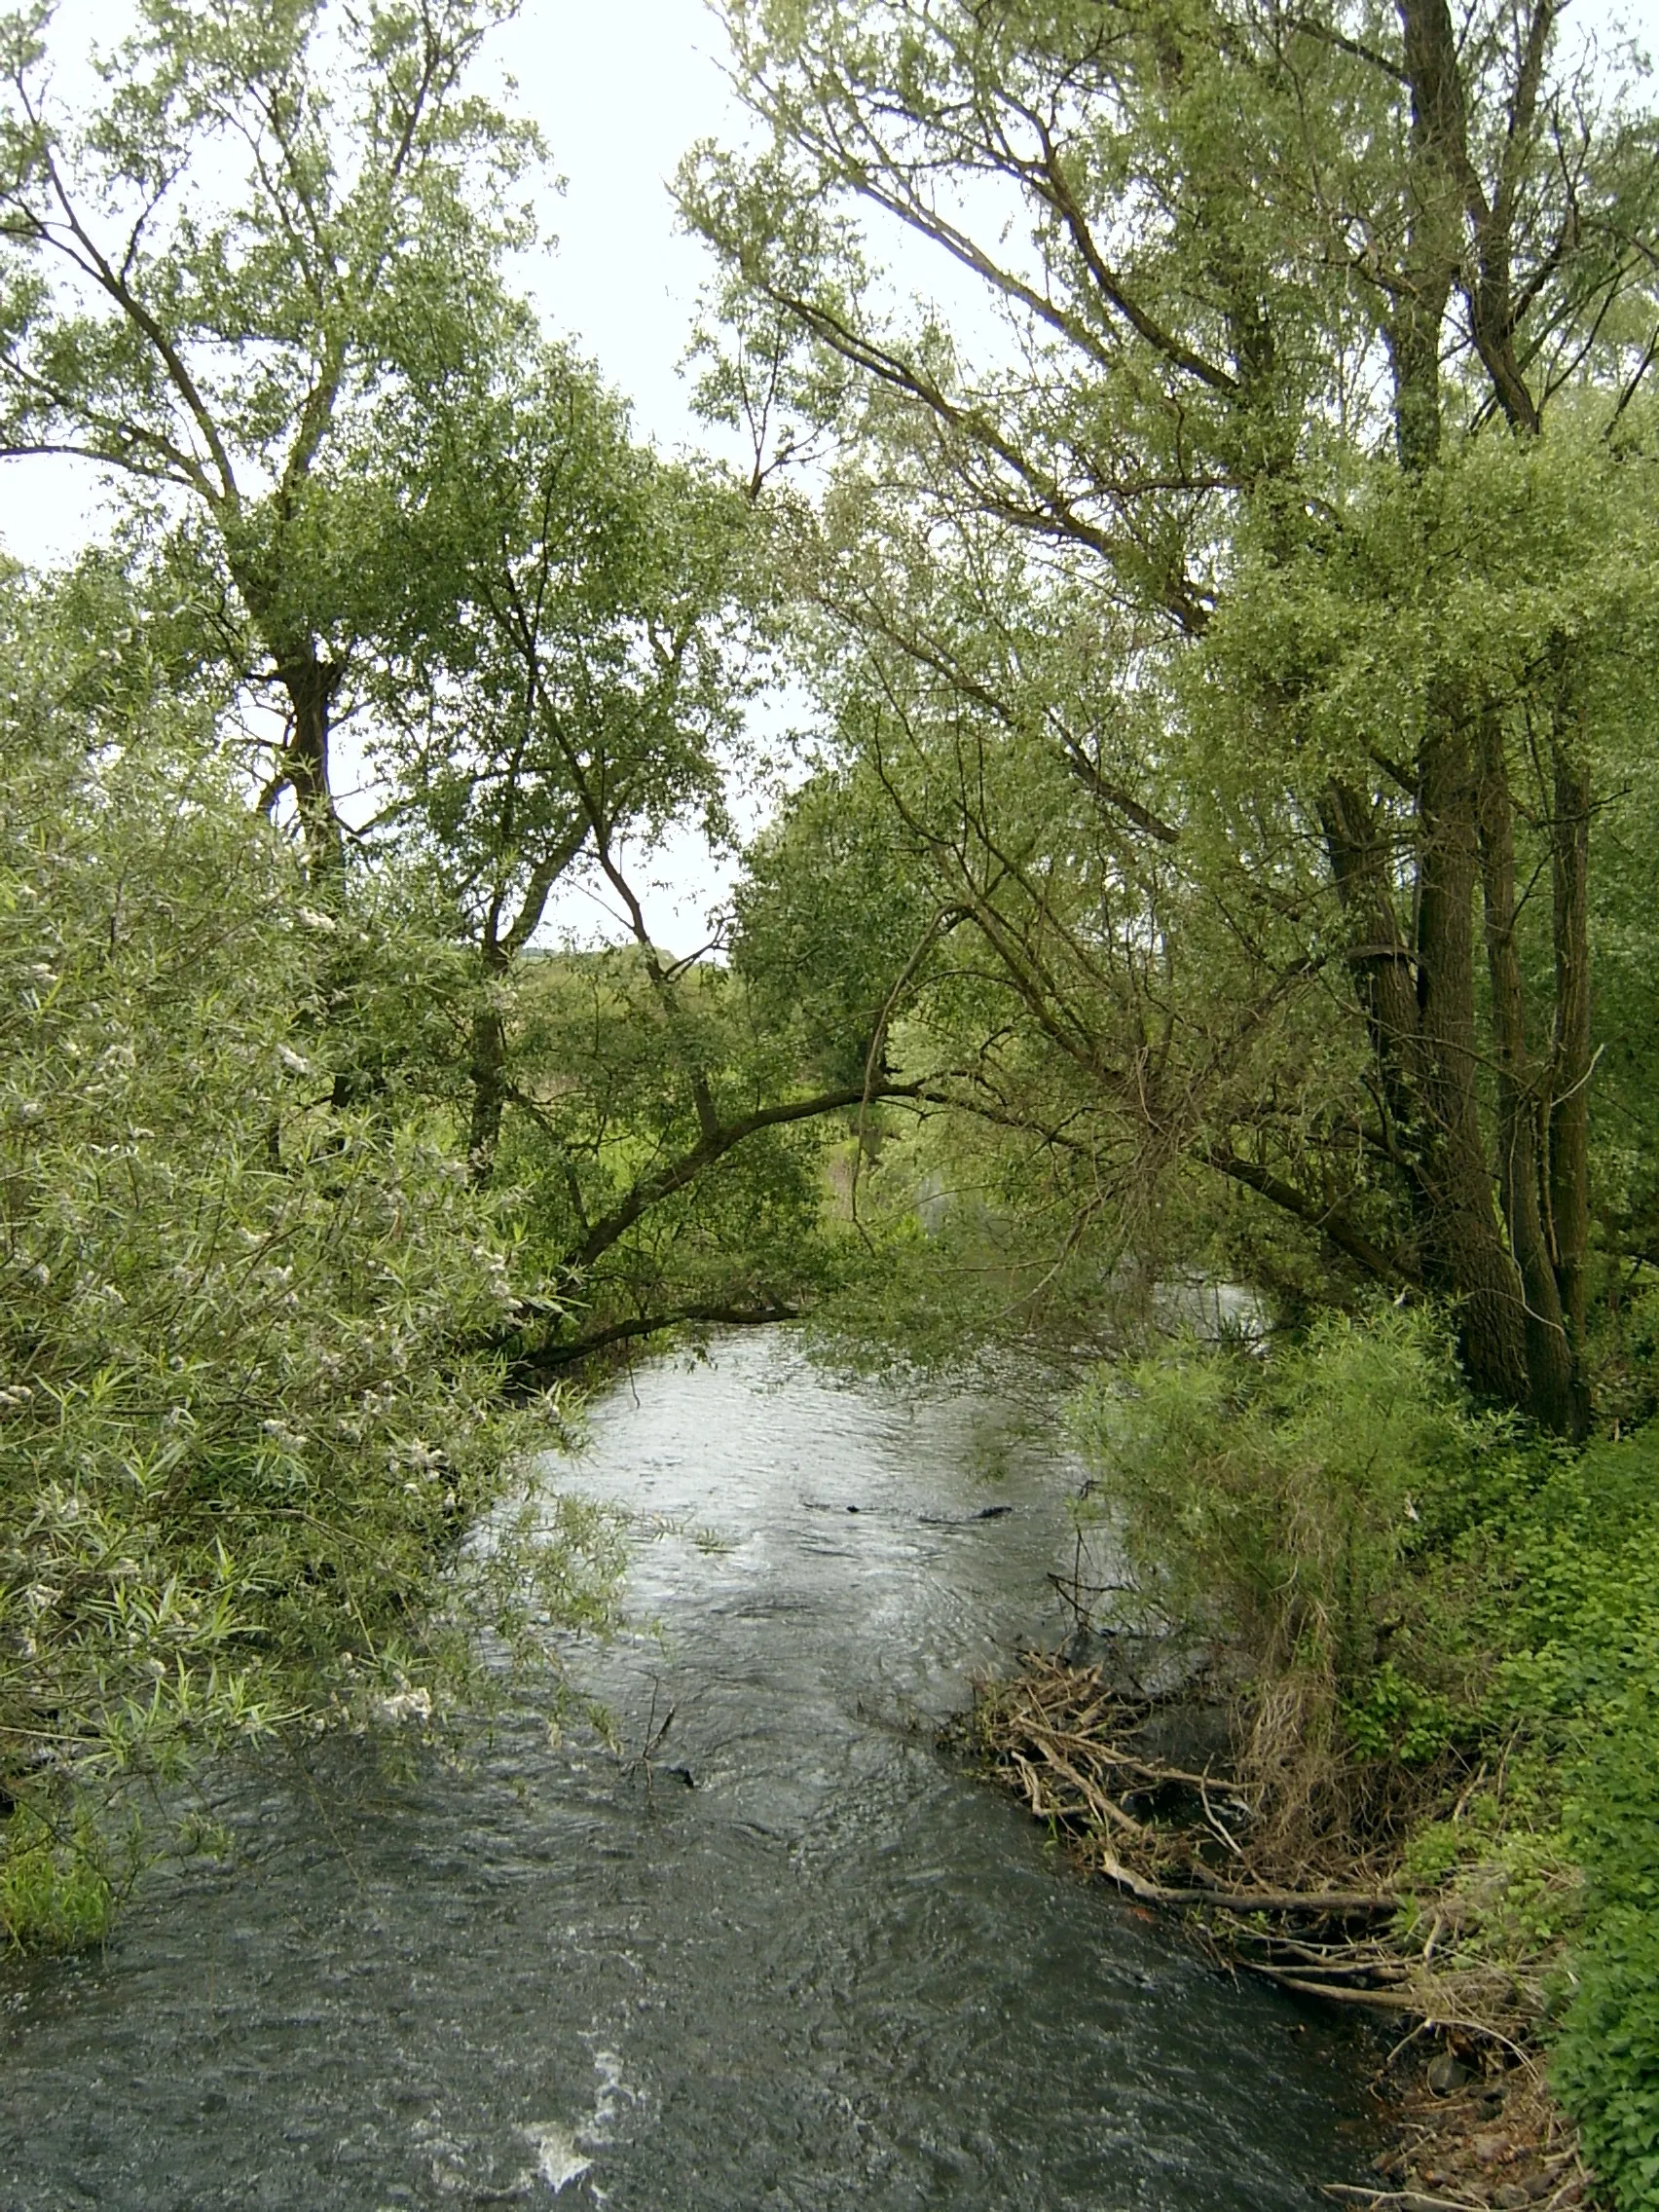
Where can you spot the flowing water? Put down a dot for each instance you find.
(818, 1967)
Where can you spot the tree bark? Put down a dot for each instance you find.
(1383, 960)
(1549, 1358)
(310, 684)
(1464, 1255)
(489, 1059)
(1568, 1121)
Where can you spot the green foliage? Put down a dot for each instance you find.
(1607, 2054)
(619, 1189)
(1244, 651)
(265, 223)
(1577, 1622)
(248, 1408)
(1282, 1493)
(306, 180)
(1394, 1717)
(1337, 1509)
(564, 624)
(57, 1890)
(831, 910)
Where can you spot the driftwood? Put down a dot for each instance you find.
(1087, 1762)
(1380, 1999)
(1079, 1755)
(1069, 1747)
(1324, 1902)
(1412, 2199)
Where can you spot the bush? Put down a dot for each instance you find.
(1578, 1619)
(1607, 2060)
(243, 1420)
(1277, 1497)
(1428, 1575)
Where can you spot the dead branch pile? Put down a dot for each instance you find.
(1208, 1837)
(1078, 1752)
(1490, 2141)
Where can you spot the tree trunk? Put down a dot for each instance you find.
(488, 1067)
(1568, 1121)
(1464, 1255)
(1549, 1359)
(310, 682)
(1381, 959)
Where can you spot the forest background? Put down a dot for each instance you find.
(1221, 611)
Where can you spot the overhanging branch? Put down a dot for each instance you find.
(1331, 1222)
(556, 1359)
(713, 1145)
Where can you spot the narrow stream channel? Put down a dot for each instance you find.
(832, 1972)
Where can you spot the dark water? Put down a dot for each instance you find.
(832, 1973)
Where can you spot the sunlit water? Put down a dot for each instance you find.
(829, 1972)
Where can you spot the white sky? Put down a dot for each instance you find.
(620, 91)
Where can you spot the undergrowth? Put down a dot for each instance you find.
(1444, 1617)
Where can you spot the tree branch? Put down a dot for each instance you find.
(556, 1358)
(713, 1145)
(1329, 1220)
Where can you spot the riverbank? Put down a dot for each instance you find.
(1164, 1793)
(1435, 1639)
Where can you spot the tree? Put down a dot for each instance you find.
(274, 214)
(245, 1419)
(574, 628)
(1289, 321)
(260, 284)
(567, 653)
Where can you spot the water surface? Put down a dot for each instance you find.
(818, 1968)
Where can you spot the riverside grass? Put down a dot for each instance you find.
(1435, 1636)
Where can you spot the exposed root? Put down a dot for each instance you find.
(1281, 1863)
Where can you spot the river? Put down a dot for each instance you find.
(825, 1971)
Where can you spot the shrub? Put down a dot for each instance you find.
(1418, 1574)
(243, 1420)
(1277, 1497)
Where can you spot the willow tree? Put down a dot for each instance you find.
(1273, 468)
(571, 628)
(265, 218)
